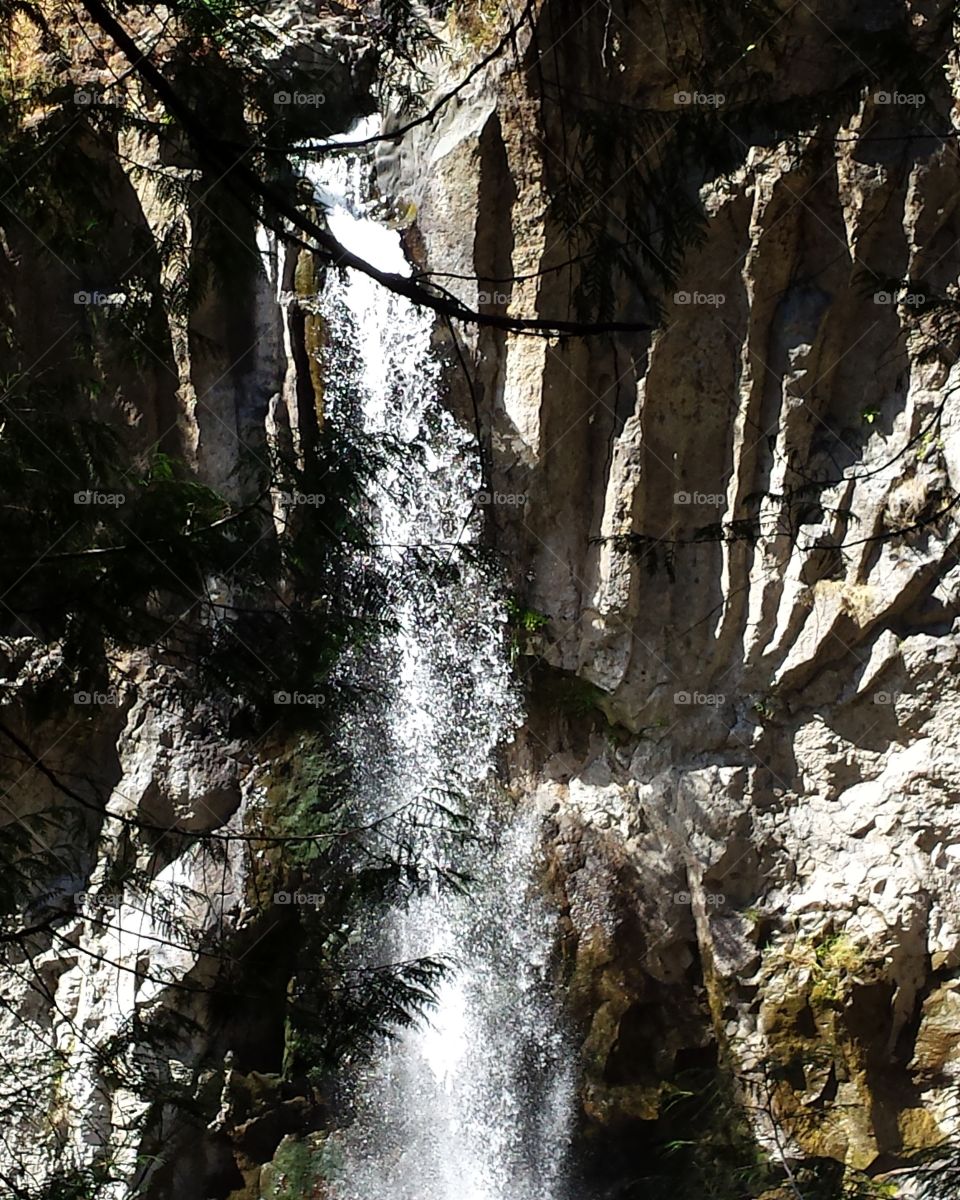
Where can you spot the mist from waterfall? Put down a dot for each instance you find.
(474, 1102)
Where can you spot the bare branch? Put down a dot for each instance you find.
(232, 168)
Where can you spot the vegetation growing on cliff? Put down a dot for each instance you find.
(247, 603)
(115, 544)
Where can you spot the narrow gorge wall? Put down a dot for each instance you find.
(731, 545)
(125, 1072)
(741, 529)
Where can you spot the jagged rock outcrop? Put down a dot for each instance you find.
(736, 532)
(742, 529)
(207, 383)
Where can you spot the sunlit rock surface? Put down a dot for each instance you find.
(742, 715)
(756, 830)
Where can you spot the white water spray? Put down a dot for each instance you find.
(475, 1102)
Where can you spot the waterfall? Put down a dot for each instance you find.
(473, 1102)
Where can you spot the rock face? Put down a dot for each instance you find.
(735, 533)
(742, 529)
(118, 971)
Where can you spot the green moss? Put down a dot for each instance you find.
(929, 445)
(478, 23)
(524, 618)
(524, 624)
(301, 1168)
(837, 964)
(825, 1092)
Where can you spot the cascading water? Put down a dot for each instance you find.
(474, 1102)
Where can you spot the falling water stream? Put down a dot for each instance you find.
(474, 1101)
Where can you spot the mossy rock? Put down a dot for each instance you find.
(938, 1040)
(307, 283)
(604, 1031)
(610, 1105)
(301, 1169)
(594, 956)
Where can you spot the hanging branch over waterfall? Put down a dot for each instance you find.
(278, 209)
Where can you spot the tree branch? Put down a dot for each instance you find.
(232, 168)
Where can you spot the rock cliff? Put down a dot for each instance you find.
(732, 544)
(738, 534)
(107, 1002)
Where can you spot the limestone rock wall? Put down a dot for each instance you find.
(742, 530)
(119, 972)
(736, 533)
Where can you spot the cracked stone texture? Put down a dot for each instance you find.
(771, 734)
(224, 380)
(751, 807)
